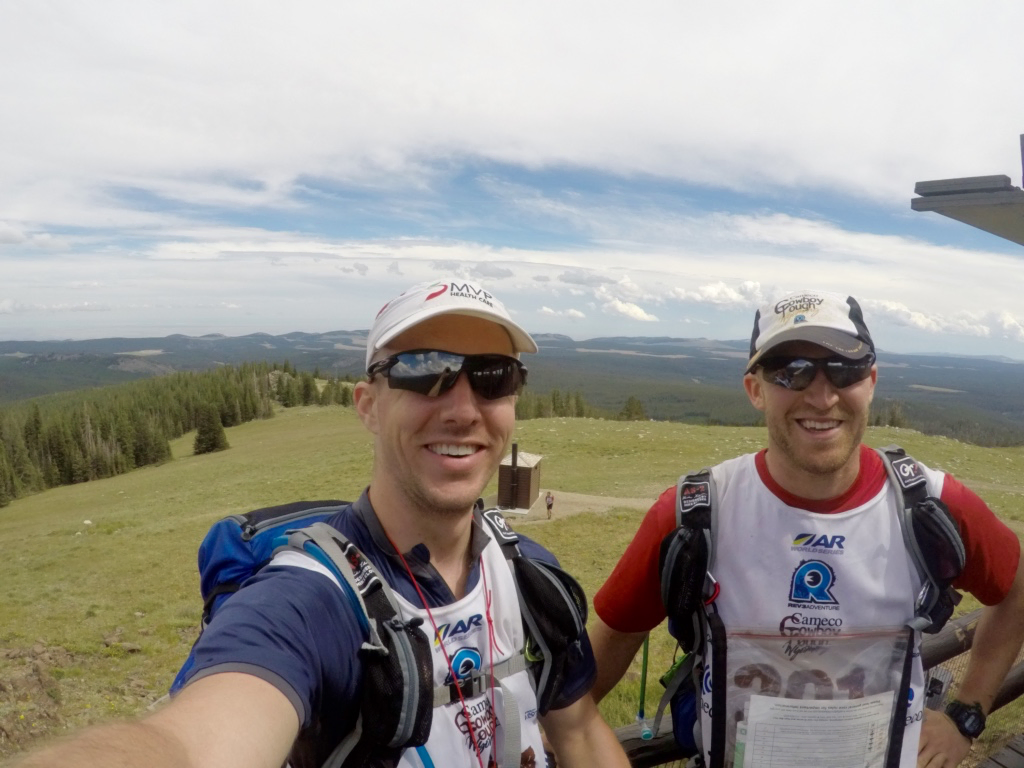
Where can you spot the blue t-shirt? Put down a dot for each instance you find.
(295, 628)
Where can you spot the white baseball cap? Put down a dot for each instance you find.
(830, 320)
(442, 297)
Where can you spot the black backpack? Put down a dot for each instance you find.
(688, 588)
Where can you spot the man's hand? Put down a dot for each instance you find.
(942, 745)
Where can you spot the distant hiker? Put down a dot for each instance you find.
(285, 662)
(795, 579)
(549, 501)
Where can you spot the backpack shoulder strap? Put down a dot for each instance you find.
(696, 496)
(501, 533)
(697, 505)
(905, 474)
(688, 589)
(390, 637)
(370, 594)
(553, 608)
(909, 481)
(941, 556)
(686, 556)
(508, 540)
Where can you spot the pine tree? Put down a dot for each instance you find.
(210, 435)
(633, 410)
(308, 394)
(579, 408)
(557, 408)
(7, 485)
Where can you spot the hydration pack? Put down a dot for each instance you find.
(399, 694)
(688, 587)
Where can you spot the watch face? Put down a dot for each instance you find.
(969, 719)
(972, 722)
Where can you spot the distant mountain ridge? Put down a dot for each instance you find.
(695, 380)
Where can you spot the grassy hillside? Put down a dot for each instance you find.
(95, 617)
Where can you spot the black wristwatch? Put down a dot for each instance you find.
(968, 718)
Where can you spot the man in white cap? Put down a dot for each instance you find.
(279, 674)
(810, 591)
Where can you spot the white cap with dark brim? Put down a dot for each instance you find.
(442, 297)
(829, 320)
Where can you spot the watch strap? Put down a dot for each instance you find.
(968, 718)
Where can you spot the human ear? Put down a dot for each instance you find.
(754, 387)
(364, 396)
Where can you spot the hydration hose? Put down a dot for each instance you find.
(645, 730)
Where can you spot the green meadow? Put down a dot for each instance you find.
(99, 600)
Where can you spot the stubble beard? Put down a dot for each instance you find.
(819, 462)
(437, 503)
(440, 499)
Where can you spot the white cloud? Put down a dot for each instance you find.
(206, 109)
(744, 294)
(584, 277)
(490, 271)
(301, 167)
(573, 314)
(1008, 326)
(9, 307)
(446, 266)
(900, 314)
(614, 306)
(9, 234)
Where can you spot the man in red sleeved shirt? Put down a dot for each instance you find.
(810, 560)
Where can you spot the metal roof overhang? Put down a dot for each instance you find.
(989, 203)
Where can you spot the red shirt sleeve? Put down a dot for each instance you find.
(630, 600)
(992, 549)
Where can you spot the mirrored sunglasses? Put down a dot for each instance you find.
(797, 373)
(433, 372)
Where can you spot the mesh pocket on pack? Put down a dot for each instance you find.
(684, 565)
(397, 701)
(939, 539)
(554, 607)
(942, 549)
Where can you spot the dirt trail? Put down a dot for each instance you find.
(568, 504)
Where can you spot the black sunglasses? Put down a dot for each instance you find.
(797, 373)
(432, 372)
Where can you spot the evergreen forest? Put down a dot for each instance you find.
(90, 434)
(95, 433)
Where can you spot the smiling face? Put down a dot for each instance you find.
(436, 454)
(814, 436)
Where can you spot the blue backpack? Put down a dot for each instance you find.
(399, 694)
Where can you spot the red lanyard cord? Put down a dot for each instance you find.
(491, 643)
(444, 651)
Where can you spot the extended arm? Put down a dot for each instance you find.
(613, 652)
(228, 720)
(580, 738)
(996, 644)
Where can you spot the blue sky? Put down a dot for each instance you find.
(656, 169)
